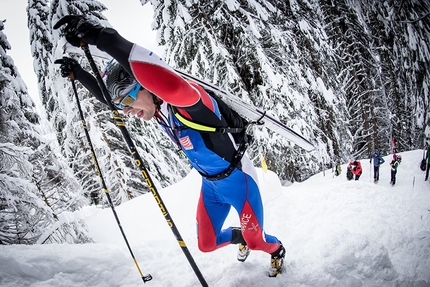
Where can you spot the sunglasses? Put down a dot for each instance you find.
(128, 100)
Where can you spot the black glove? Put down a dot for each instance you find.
(68, 66)
(80, 28)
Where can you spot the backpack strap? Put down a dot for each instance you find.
(235, 162)
(201, 127)
(243, 145)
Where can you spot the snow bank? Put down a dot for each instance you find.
(337, 233)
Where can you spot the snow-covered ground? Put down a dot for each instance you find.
(336, 232)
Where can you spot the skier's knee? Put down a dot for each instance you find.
(206, 245)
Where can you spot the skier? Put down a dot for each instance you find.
(394, 165)
(377, 161)
(354, 167)
(143, 85)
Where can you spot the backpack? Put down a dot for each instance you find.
(237, 128)
(349, 174)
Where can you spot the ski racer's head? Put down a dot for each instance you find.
(118, 81)
(127, 94)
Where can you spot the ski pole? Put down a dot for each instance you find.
(147, 277)
(119, 122)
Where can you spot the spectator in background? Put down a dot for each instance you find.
(354, 169)
(377, 161)
(394, 165)
(428, 162)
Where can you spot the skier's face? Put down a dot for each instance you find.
(143, 107)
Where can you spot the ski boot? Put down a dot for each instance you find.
(243, 252)
(277, 262)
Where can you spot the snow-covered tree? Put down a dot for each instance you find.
(35, 186)
(255, 48)
(118, 168)
(400, 31)
(325, 68)
(41, 45)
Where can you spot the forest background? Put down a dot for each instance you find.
(348, 75)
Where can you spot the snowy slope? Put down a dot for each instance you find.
(337, 233)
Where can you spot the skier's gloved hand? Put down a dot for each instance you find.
(68, 66)
(80, 28)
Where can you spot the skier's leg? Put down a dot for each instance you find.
(211, 214)
(246, 200)
(375, 171)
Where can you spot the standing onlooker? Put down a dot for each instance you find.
(377, 161)
(428, 162)
(394, 165)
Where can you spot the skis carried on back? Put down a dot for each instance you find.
(243, 108)
(252, 113)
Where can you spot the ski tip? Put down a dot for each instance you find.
(309, 147)
(303, 143)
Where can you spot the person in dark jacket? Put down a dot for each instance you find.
(377, 161)
(143, 85)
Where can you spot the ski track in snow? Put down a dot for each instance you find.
(336, 232)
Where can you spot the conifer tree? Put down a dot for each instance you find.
(35, 187)
(120, 172)
(326, 68)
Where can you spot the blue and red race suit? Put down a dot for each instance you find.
(209, 153)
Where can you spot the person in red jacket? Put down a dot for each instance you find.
(354, 168)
